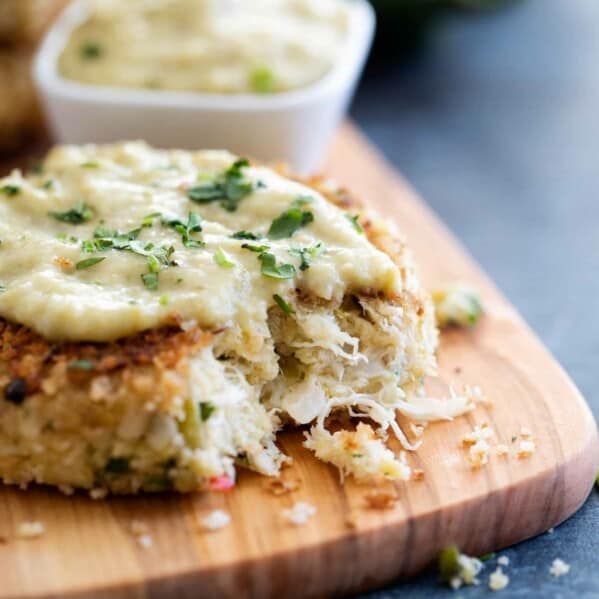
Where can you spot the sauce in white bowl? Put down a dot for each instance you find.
(293, 123)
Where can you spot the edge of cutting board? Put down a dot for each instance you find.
(88, 550)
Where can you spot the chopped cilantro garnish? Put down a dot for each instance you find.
(2, 288)
(148, 221)
(228, 189)
(186, 230)
(82, 365)
(91, 51)
(153, 263)
(81, 213)
(255, 248)
(150, 280)
(206, 410)
(271, 270)
(306, 254)
(355, 221)
(487, 556)
(222, 259)
(163, 300)
(48, 184)
(118, 465)
(160, 253)
(289, 222)
(245, 235)
(105, 239)
(90, 164)
(10, 190)
(263, 80)
(283, 304)
(449, 565)
(89, 262)
(157, 257)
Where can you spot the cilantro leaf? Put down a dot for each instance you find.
(89, 262)
(283, 304)
(229, 188)
(355, 221)
(222, 259)
(10, 190)
(186, 230)
(271, 270)
(148, 220)
(255, 248)
(306, 254)
(289, 222)
(150, 280)
(80, 213)
(157, 257)
(206, 410)
(245, 235)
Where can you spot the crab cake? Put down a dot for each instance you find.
(163, 314)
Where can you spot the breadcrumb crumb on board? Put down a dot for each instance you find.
(381, 500)
(559, 568)
(30, 530)
(299, 513)
(281, 486)
(498, 580)
(145, 541)
(216, 520)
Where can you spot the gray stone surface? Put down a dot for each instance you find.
(496, 124)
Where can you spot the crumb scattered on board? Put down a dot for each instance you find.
(281, 486)
(145, 541)
(381, 500)
(141, 533)
(458, 569)
(559, 567)
(300, 513)
(216, 520)
(498, 580)
(98, 493)
(30, 530)
(417, 474)
(479, 446)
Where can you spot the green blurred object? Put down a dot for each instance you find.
(403, 24)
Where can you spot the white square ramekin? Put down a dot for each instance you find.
(294, 127)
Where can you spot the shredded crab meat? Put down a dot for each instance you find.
(359, 359)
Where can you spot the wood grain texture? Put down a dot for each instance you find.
(88, 549)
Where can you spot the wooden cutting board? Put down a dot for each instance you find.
(89, 550)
